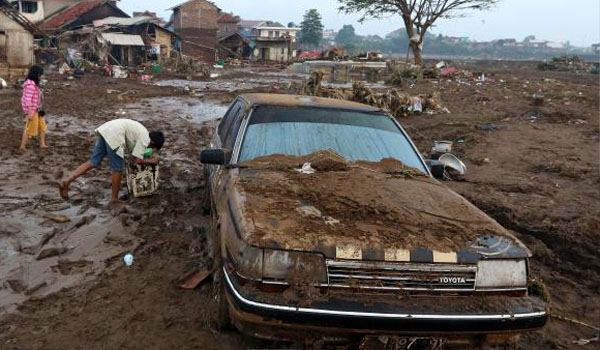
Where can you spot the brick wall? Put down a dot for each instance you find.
(196, 24)
(197, 14)
(199, 43)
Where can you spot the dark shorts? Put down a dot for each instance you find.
(101, 150)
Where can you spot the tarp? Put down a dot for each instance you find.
(123, 39)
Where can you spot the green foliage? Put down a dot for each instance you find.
(312, 28)
(397, 42)
(346, 36)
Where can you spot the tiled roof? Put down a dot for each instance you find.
(71, 13)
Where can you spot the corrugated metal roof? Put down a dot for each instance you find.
(125, 21)
(123, 39)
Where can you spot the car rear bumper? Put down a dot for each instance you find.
(518, 314)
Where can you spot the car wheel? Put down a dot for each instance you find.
(223, 319)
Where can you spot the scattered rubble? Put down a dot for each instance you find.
(397, 103)
(573, 64)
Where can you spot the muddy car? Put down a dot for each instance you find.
(329, 223)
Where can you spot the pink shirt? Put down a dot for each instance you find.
(31, 100)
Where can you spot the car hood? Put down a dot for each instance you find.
(363, 212)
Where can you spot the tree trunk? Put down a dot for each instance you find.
(417, 50)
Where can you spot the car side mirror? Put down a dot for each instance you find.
(436, 167)
(216, 156)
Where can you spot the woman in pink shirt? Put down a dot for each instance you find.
(31, 102)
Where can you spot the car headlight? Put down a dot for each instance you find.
(501, 274)
(248, 260)
(294, 267)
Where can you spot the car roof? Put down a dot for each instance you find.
(305, 101)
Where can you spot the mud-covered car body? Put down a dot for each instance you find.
(448, 284)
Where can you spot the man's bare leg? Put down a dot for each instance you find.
(64, 187)
(117, 176)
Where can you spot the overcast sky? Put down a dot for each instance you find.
(554, 20)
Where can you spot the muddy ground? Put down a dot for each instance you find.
(533, 166)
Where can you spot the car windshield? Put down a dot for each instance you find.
(300, 131)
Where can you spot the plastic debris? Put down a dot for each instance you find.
(487, 127)
(331, 221)
(442, 147)
(309, 211)
(3, 84)
(307, 169)
(128, 259)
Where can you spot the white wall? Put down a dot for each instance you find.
(16, 44)
(34, 17)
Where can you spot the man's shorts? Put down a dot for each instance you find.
(101, 150)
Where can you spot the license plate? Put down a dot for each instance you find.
(416, 343)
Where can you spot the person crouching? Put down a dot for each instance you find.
(114, 140)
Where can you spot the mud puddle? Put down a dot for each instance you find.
(190, 109)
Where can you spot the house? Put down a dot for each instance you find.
(32, 10)
(157, 38)
(81, 13)
(125, 49)
(195, 22)
(271, 41)
(38, 10)
(16, 41)
(228, 22)
(329, 36)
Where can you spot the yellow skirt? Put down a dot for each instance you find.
(34, 126)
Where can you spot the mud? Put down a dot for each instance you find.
(537, 175)
(61, 263)
(397, 209)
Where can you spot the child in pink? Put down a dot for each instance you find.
(31, 102)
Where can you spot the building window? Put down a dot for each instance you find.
(277, 34)
(271, 33)
(29, 6)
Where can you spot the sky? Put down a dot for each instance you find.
(577, 21)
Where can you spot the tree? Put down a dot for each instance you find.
(418, 15)
(346, 36)
(292, 25)
(312, 28)
(529, 39)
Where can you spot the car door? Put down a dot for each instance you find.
(227, 133)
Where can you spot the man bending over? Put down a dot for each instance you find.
(114, 139)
